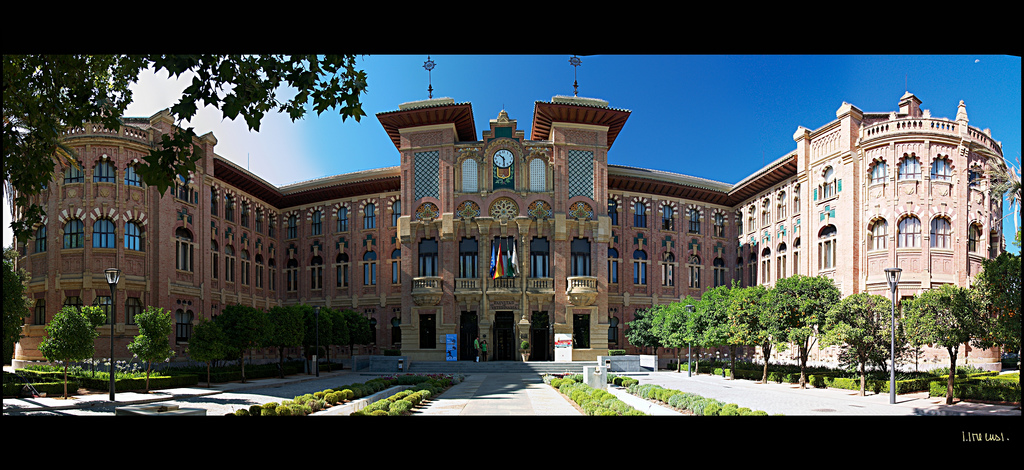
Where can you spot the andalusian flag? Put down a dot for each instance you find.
(513, 264)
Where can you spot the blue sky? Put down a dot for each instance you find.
(711, 116)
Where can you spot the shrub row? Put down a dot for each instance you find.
(593, 401)
(1005, 388)
(692, 402)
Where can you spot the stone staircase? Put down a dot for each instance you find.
(498, 367)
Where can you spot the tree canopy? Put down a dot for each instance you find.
(16, 306)
(46, 94)
(799, 303)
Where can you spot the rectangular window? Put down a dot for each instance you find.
(427, 174)
(581, 173)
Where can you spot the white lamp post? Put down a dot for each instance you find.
(112, 275)
(892, 276)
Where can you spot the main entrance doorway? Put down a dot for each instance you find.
(468, 331)
(504, 345)
(539, 344)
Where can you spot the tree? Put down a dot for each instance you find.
(946, 317)
(750, 321)
(312, 335)
(286, 330)
(152, 343)
(714, 319)
(800, 304)
(640, 331)
(71, 336)
(46, 94)
(16, 305)
(861, 323)
(668, 324)
(244, 328)
(339, 331)
(207, 344)
(358, 329)
(999, 283)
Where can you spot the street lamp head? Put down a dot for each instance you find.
(689, 308)
(113, 275)
(316, 310)
(892, 275)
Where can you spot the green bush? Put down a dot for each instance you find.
(268, 412)
(255, 410)
(242, 412)
(399, 407)
(283, 411)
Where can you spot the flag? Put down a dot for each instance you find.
(499, 268)
(513, 262)
(494, 257)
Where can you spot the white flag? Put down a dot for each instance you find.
(515, 261)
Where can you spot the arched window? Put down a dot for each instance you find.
(766, 265)
(370, 268)
(580, 257)
(909, 235)
(271, 274)
(41, 239)
(879, 171)
(40, 312)
(131, 176)
(245, 267)
(827, 247)
(291, 271)
(766, 217)
(780, 261)
(796, 257)
(343, 219)
(940, 233)
(369, 216)
(103, 234)
(828, 186)
(229, 208)
(259, 220)
(183, 328)
(941, 170)
(213, 202)
(74, 234)
(293, 227)
(214, 253)
(639, 267)
(667, 218)
(613, 266)
(613, 211)
(341, 268)
(132, 236)
(396, 212)
(719, 227)
(317, 227)
(316, 273)
(469, 176)
(103, 173)
(719, 268)
(694, 220)
(244, 216)
(259, 271)
(396, 266)
(73, 174)
(879, 232)
(538, 174)
(973, 236)
(668, 270)
(640, 215)
(184, 249)
(694, 267)
(613, 330)
(780, 206)
(229, 263)
(910, 168)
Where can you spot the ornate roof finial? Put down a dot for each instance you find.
(575, 61)
(429, 65)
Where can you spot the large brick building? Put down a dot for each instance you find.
(411, 247)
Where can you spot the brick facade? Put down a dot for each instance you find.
(594, 242)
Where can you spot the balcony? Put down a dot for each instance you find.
(582, 290)
(540, 285)
(426, 291)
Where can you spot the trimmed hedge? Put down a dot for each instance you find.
(986, 389)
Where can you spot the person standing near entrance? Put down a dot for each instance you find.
(476, 346)
(483, 349)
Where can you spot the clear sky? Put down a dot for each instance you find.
(711, 116)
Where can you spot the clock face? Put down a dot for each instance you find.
(503, 158)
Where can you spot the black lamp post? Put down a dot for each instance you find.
(892, 276)
(689, 365)
(316, 352)
(112, 275)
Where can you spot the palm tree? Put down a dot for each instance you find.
(1005, 179)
